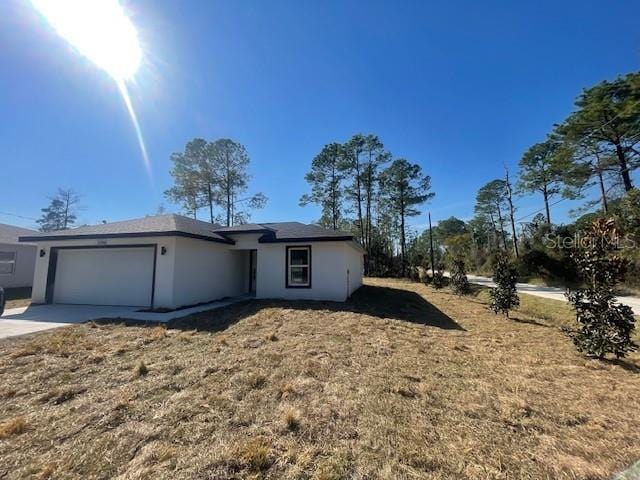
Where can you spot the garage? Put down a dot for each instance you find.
(104, 276)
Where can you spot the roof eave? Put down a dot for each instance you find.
(98, 236)
(306, 239)
(240, 232)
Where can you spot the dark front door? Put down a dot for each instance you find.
(253, 260)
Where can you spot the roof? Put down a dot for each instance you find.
(177, 225)
(296, 231)
(10, 233)
(158, 225)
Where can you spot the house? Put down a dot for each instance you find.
(170, 261)
(17, 260)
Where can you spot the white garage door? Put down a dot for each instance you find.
(104, 276)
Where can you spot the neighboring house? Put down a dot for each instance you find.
(17, 260)
(170, 261)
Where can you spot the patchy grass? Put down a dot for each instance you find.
(550, 312)
(401, 382)
(17, 297)
(554, 312)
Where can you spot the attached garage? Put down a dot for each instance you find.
(103, 276)
(171, 261)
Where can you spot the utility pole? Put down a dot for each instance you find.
(433, 267)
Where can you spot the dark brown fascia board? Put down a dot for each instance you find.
(98, 236)
(232, 232)
(229, 231)
(305, 239)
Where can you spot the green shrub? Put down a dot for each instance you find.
(438, 277)
(459, 280)
(504, 296)
(604, 326)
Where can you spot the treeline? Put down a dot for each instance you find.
(361, 188)
(596, 148)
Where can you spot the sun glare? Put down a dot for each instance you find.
(100, 30)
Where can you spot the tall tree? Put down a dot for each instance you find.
(62, 211)
(325, 178)
(592, 166)
(545, 168)
(231, 179)
(609, 114)
(187, 190)
(512, 211)
(194, 177)
(491, 202)
(404, 187)
(353, 154)
(213, 174)
(374, 157)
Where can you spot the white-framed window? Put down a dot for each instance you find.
(299, 267)
(7, 262)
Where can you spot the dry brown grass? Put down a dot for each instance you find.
(14, 426)
(292, 418)
(141, 369)
(402, 382)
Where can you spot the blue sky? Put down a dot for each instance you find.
(461, 88)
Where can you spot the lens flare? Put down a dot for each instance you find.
(101, 31)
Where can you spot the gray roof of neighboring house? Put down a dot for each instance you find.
(158, 225)
(10, 233)
(167, 225)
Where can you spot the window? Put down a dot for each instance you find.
(299, 267)
(7, 262)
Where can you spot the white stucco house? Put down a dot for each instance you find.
(17, 260)
(171, 261)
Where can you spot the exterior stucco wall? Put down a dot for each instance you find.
(329, 264)
(22, 275)
(163, 288)
(355, 266)
(206, 271)
(245, 241)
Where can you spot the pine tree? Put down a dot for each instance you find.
(325, 178)
(604, 326)
(504, 296)
(404, 187)
(61, 213)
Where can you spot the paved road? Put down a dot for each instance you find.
(554, 293)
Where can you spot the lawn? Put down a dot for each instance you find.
(401, 382)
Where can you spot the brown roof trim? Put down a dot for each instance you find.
(95, 236)
(241, 232)
(305, 239)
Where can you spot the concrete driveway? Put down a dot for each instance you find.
(34, 318)
(553, 293)
(19, 321)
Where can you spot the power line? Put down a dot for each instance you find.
(540, 209)
(17, 216)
